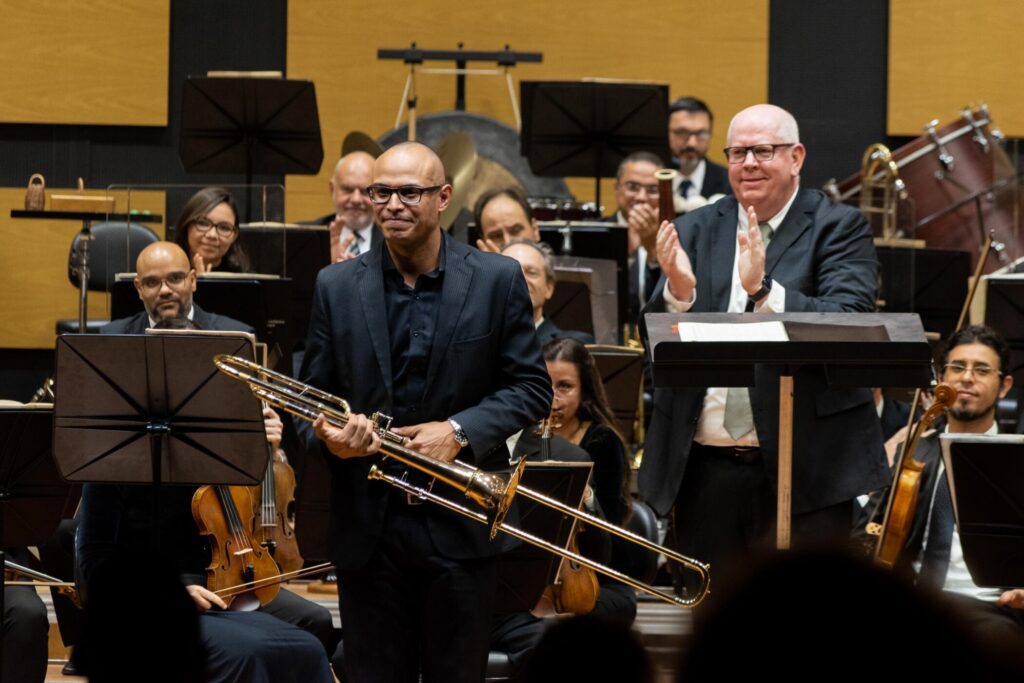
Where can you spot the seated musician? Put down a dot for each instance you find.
(207, 230)
(352, 228)
(539, 270)
(117, 516)
(502, 216)
(974, 364)
(25, 631)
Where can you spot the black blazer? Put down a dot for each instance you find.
(138, 323)
(548, 330)
(485, 371)
(823, 254)
(716, 180)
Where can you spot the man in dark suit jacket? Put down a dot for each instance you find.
(440, 336)
(689, 135)
(711, 454)
(351, 225)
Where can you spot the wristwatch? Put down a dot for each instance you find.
(460, 434)
(766, 287)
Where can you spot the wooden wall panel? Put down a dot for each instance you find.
(946, 54)
(88, 62)
(715, 50)
(34, 289)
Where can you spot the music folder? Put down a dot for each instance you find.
(986, 484)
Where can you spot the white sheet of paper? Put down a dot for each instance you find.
(773, 331)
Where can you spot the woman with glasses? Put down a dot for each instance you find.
(207, 230)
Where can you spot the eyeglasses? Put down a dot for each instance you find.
(766, 152)
(634, 188)
(955, 370)
(409, 194)
(685, 134)
(175, 279)
(203, 225)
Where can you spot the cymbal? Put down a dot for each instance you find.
(459, 157)
(358, 141)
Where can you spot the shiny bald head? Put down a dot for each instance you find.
(765, 185)
(352, 175)
(410, 164)
(165, 280)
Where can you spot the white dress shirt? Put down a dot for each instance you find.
(710, 428)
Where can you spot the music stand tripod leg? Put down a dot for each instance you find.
(785, 474)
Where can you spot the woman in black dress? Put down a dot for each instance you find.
(207, 230)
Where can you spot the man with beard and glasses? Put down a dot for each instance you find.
(689, 135)
(973, 364)
(351, 224)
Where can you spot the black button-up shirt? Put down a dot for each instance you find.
(412, 326)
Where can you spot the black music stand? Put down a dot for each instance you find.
(264, 302)
(584, 128)
(929, 282)
(986, 485)
(593, 239)
(33, 498)
(154, 409)
(622, 372)
(249, 125)
(526, 570)
(1004, 312)
(856, 349)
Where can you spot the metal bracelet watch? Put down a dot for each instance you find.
(460, 434)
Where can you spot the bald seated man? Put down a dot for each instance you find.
(351, 224)
(711, 453)
(439, 336)
(166, 281)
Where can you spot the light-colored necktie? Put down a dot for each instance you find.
(739, 417)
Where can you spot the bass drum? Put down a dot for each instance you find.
(497, 147)
(961, 183)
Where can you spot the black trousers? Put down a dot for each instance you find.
(410, 611)
(253, 647)
(305, 614)
(725, 511)
(26, 632)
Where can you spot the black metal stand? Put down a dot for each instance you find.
(584, 129)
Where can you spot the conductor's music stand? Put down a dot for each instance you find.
(153, 409)
(249, 125)
(585, 128)
(33, 498)
(856, 350)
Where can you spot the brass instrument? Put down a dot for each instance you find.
(45, 393)
(880, 172)
(491, 491)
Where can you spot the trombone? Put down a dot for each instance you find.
(492, 492)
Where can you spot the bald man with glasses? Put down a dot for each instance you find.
(711, 453)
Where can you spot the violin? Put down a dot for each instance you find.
(19, 575)
(575, 590)
(274, 515)
(236, 559)
(899, 515)
(892, 533)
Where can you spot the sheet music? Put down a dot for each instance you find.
(773, 331)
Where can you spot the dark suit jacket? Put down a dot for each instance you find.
(716, 180)
(138, 323)
(485, 371)
(824, 256)
(549, 330)
(376, 237)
